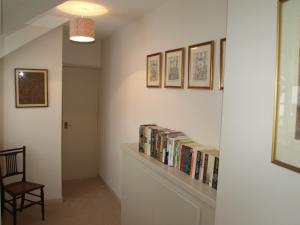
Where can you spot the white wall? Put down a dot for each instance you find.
(252, 190)
(127, 103)
(37, 128)
(81, 54)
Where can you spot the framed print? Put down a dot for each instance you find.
(201, 65)
(286, 133)
(222, 62)
(154, 62)
(174, 68)
(31, 88)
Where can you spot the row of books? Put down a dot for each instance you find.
(175, 149)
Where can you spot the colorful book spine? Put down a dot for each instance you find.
(193, 163)
(188, 160)
(210, 170)
(216, 173)
(198, 165)
(141, 139)
(204, 178)
(182, 158)
(148, 140)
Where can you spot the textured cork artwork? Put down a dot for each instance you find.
(31, 88)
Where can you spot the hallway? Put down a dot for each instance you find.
(86, 202)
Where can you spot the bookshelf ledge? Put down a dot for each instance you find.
(148, 184)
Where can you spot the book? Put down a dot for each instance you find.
(148, 138)
(215, 174)
(182, 157)
(205, 164)
(198, 165)
(210, 170)
(167, 146)
(142, 138)
(187, 160)
(172, 147)
(160, 143)
(178, 147)
(156, 141)
(195, 148)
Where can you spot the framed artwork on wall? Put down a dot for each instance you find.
(154, 65)
(222, 62)
(286, 132)
(31, 88)
(174, 68)
(201, 65)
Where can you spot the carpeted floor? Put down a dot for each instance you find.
(87, 202)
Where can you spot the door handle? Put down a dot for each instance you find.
(67, 125)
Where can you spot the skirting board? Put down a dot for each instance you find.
(110, 189)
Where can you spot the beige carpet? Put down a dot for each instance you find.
(87, 202)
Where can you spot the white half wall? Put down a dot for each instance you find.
(37, 128)
(252, 190)
(126, 102)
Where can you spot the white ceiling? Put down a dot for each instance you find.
(120, 12)
(15, 13)
(19, 13)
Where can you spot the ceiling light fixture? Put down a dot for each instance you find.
(79, 8)
(82, 30)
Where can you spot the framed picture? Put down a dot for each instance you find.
(222, 62)
(174, 68)
(31, 88)
(286, 133)
(201, 65)
(154, 63)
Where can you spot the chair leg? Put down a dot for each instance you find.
(14, 210)
(22, 202)
(43, 203)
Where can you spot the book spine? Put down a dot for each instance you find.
(171, 152)
(210, 169)
(147, 141)
(216, 173)
(193, 163)
(153, 154)
(187, 161)
(157, 144)
(201, 173)
(204, 180)
(166, 153)
(182, 158)
(198, 164)
(141, 139)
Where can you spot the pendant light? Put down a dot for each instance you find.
(82, 30)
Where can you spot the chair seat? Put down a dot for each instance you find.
(18, 188)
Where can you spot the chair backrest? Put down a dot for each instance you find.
(9, 163)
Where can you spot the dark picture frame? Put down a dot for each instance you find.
(31, 88)
(154, 70)
(286, 130)
(201, 66)
(174, 68)
(222, 62)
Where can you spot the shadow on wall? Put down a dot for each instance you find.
(1, 103)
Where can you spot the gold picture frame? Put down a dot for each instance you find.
(31, 88)
(222, 62)
(201, 66)
(154, 70)
(174, 68)
(286, 131)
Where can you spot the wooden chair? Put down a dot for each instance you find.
(9, 160)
